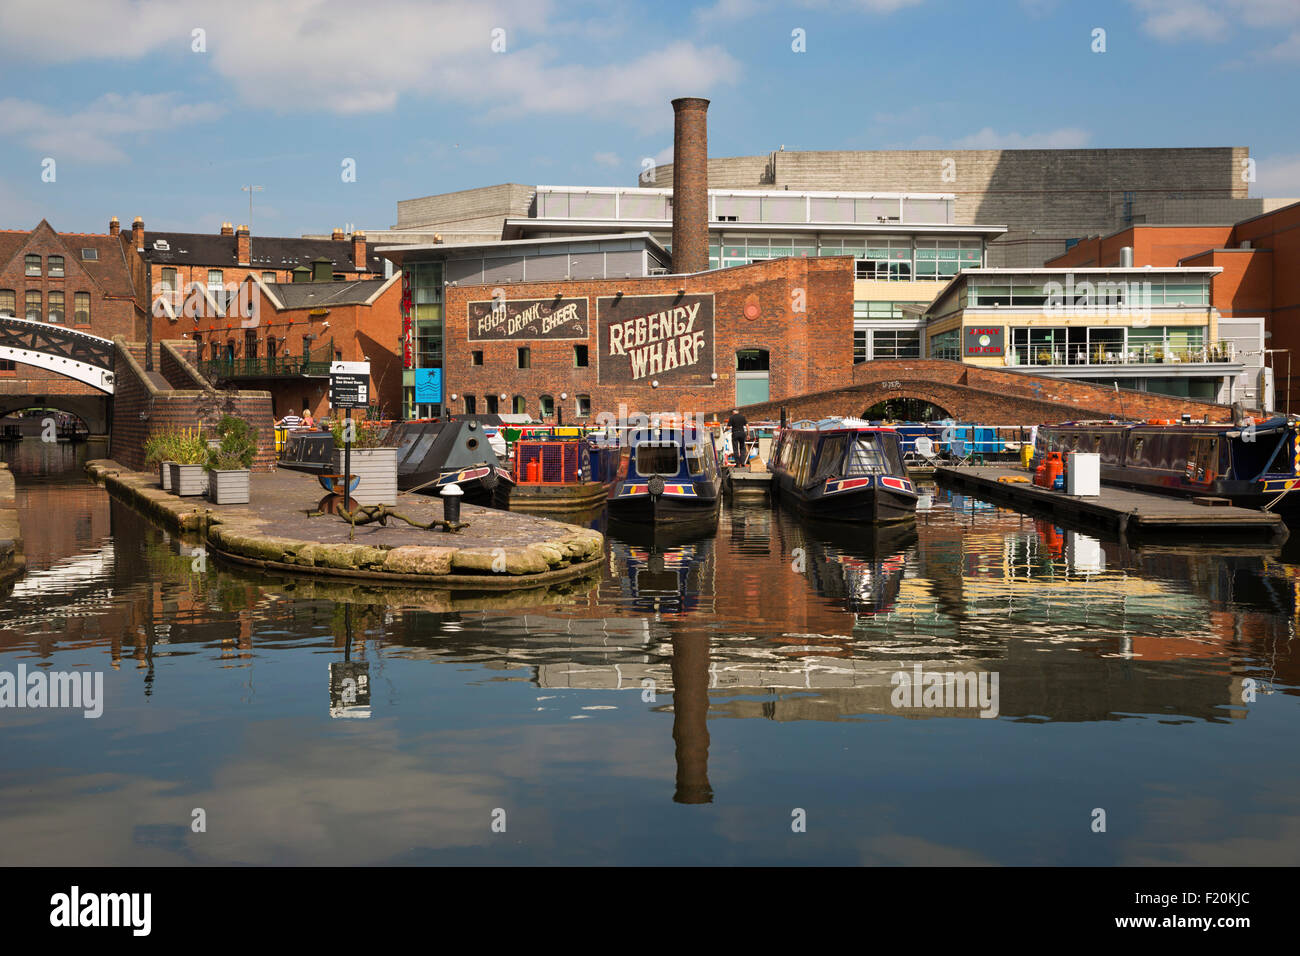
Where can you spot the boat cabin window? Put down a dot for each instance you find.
(656, 459)
(831, 458)
(695, 459)
(874, 454)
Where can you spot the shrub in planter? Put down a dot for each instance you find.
(159, 452)
(229, 462)
(189, 455)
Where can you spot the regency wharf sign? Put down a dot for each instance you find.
(523, 320)
(667, 338)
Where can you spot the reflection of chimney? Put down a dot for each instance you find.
(359, 251)
(114, 227)
(227, 229)
(691, 712)
(137, 233)
(243, 246)
(690, 185)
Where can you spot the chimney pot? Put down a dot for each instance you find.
(243, 246)
(337, 234)
(690, 185)
(359, 251)
(137, 233)
(114, 227)
(227, 229)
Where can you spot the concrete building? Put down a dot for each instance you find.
(1258, 279)
(1148, 329)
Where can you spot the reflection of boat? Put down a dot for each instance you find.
(843, 469)
(1248, 464)
(434, 454)
(671, 477)
(863, 567)
(665, 578)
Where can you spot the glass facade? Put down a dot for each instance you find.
(878, 257)
(425, 281)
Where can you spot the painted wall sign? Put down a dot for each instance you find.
(984, 340)
(664, 338)
(526, 320)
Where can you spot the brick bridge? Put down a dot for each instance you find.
(975, 394)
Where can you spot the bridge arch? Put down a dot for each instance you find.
(92, 410)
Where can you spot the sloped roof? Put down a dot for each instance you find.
(314, 295)
(109, 270)
(269, 252)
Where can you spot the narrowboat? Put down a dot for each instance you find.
(309, 450)
(434, 454)
(1250, 463)
(843, 469)
(670, 476)
(564, 471)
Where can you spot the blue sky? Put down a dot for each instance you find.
(139, 123)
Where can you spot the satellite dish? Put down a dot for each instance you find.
(924, 447)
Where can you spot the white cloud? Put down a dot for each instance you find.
(607, 159)
(1212, 21)
(88, 135)
(741, 9)
(331, 56)
(1065, 138)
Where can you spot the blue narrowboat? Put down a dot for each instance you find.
(843, 469)
(672, 476)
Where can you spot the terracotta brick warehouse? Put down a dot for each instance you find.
(799, 310)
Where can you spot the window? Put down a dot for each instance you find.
(169, 280)
(215, 280)
(652, 459)
(830, 457)
(90, 255)
(56, 267)
(33, 306)
(584, 406)
(8, 302)
(859, 346)
(492, 404)
(871, 455)
(56, 307)
(268, 276)
(520, 405)
(752, 360)
(946, 345)
(428, 343)
(476, 357)
(471, 405)
(885, 259)
(1038, 346)
(525, 357)
(8, 366)
(895, 343)
(546, 406)
(580, 356)
(81, 308)
(32, 265)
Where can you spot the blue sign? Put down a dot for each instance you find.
(428, 386)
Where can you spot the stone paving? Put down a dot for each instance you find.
(498, 549)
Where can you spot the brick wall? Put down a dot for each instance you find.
(753, 308)
(141, 408)
(970, 393)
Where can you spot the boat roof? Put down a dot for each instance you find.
(838, 424)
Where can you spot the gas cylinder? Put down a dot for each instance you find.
(533, 471)
(1055, 476)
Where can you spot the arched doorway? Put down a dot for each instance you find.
(903, 409)
(751, 376)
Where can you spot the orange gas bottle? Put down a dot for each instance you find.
(533, 471)
(1055, 468)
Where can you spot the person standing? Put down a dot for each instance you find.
(739, 451)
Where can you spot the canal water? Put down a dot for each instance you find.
(742, 698)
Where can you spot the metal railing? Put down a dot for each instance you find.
(279, 366)
(1115, 355)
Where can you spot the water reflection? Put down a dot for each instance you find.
(765, 654)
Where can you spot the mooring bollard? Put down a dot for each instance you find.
(451, 504)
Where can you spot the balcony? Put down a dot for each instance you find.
(279, 366)
(1138, 355)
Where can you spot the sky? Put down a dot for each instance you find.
(165, 108)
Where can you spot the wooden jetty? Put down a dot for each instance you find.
(748, 485)
(1125, 511)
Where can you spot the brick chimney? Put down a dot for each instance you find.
(338, 234)
(243, 245)
(137, 233)
(690, 185)
(359, 251)
(114, 227)
(227, 229)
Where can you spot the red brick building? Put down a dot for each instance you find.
(1260, 258)
(653, 343)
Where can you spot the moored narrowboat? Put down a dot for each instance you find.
(1252, 463)
(564, 472)
(669, 476)
(843, 469)
(434, 454)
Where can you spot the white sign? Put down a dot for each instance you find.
(350, 368)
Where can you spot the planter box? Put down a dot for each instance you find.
(188, 480)
(377, 468)
(228, 487)
(165, 475)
